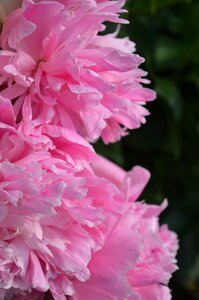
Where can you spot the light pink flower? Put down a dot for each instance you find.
(63, 72)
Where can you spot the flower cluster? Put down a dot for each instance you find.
(70, 222)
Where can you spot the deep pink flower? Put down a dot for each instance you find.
(63, 72)
(45, 212)
(65, 229)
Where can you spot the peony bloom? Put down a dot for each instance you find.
(45, 212)
(72, 228)
(65, 73)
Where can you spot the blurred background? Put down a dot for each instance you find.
(166, 33)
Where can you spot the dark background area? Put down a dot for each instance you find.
(166, 33)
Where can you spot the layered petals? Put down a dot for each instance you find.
(71, 224)
(75, 229)
(138, 257)
(75, 77)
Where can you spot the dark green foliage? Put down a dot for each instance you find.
(167, 35)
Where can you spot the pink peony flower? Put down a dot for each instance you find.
(67, 230)
(45, 212)
(65, 73)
